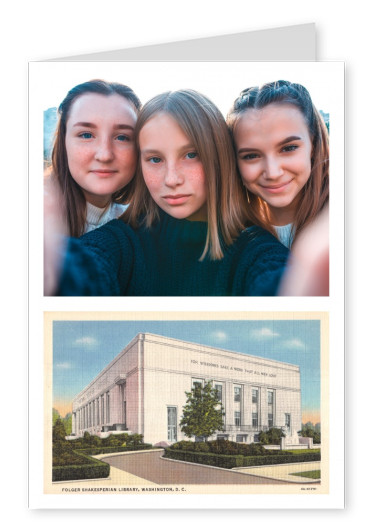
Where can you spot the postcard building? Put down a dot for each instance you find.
(143, 391)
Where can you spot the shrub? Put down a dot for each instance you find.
(272, 436)
(90, 468)
(231, 461)
(202, 447)
(224, 447)
(223, 461)
(184, 445)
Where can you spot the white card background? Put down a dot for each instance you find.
(221, 81)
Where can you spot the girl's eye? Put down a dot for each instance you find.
(191, 155)
(250, 156)
(123, 138)
(291, 147)
(155, 160)
(85, 136)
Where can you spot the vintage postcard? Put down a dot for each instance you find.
(157, 404)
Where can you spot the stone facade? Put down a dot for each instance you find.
(143, 391)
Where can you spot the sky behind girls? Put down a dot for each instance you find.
(221, 82)
(81, 349)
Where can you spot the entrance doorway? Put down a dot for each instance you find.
(172, 427)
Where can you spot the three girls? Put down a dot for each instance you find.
(185, 230)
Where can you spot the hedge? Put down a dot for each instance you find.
(223, 461)
(231, 461)
(93, 469)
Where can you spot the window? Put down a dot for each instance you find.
(255, 396)
(197, 382)
(287, 420)
(270, 408)
(223, 437)
(270, 397)
(254, 420)
(218, 388)
(107, 408)
(237, 393)
(102, 409)
(241, 438)
(237, 418)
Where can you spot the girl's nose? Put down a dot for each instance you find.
(104, 151)
(173, 176)
(273, 168)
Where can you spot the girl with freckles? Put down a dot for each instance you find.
(282, 152)
(94, 156)
(184, 232)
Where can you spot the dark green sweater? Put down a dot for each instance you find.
(164, 260)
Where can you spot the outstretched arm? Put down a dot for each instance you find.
(308, 272)
(55, 236)
(98, 263)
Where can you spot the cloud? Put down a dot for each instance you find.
(264, 333)
(89, 341)
(294, 343)
(219, 335)
(63, 366)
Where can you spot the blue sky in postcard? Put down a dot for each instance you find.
(81, 349)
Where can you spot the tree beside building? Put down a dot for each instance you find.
(203, 412)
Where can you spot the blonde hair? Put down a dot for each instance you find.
(202, 122)
(315, 193)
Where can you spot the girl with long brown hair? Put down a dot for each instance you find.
(282, 150)
(94, 156)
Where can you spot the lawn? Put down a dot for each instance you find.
(313, 474)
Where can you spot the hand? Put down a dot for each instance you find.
(308, 270)
(55, 233)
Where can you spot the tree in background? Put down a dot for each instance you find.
(67, 420)
(203, 412)
(58, 431)
(55, 416)
(309, 430)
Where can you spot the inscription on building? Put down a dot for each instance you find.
(234, 368)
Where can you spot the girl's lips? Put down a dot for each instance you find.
(178, 199)
(276, 189)
(104, 173)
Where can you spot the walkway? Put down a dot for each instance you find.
(284, 472)
(149, 466)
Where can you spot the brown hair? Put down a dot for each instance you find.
(73, 196)
(204, 125)
(315, 193)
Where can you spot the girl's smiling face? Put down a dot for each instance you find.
(172, 170)
(273, 149)
(100, 145)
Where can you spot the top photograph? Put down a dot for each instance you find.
(187, 179)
